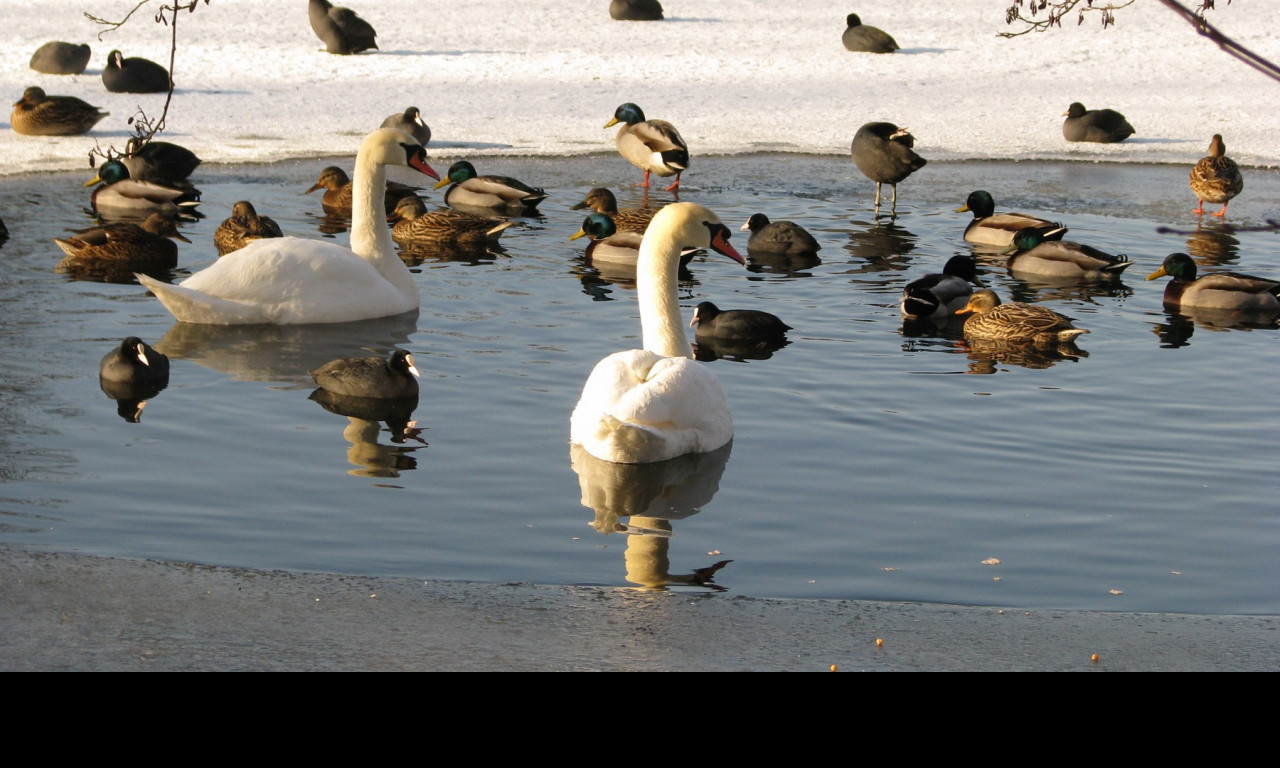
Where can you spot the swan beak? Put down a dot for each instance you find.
(720, 243)
(420, 163)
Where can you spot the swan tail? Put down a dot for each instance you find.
(190, 306)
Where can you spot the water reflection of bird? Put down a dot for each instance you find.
(364, 430)
(1213, 246)
(882, 243)
(641, 500)
(282, 354)
(986, 354)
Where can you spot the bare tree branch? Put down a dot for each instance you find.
(145, 128)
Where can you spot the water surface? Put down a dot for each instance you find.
(870, 460)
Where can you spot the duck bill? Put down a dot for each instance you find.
(421, 165)
(95, 180)
(1158, 273)
(443, 182)
(578, 234)
(720, 244)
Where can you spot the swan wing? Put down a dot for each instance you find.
(638, 406)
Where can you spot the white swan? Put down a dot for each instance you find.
(656, 403)
(294, 280)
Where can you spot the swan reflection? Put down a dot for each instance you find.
(365, 417)
(283, 352)
(649, 497)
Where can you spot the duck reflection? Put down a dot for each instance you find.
(986, 356)
(416, 254)
(709, 349)
(884, 245)
(365, 416)
(649, 497)
(131, 397)
(1180, 326)
(1038, 289)
(789, 264)
(283, 352)
(331, 224)
(1213, 245)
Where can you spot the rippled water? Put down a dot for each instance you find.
(870, 461)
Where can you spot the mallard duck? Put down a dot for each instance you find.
(1217, 290)
(242, 227)
(860, 38)
(940, 294)
(653, 146)
(778, 237)
(601, 200)
(120, 196)
(134, 362)
(410, 121)
(390, 378)
(1030, 253)
(339, 192)
(444, 226)
(1103, 126)
(1216, 178)
(499, 193)
(58, 58)
(614, 247)
(340, 29)
(884, 154)
(1017, 321)
(736, 324)
(635, 10)
(120, 249)
(38, 114)
(134, 75)
(160, 161)
(991, 228)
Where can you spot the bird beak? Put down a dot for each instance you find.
(720, 243)
(95, 180)
(1158, 273)
(443, 182)
(578, 234)
(421, 164)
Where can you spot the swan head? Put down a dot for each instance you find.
(694, 226)
(395, 147)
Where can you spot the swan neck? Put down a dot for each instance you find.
(370, 233)
(657, 276)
